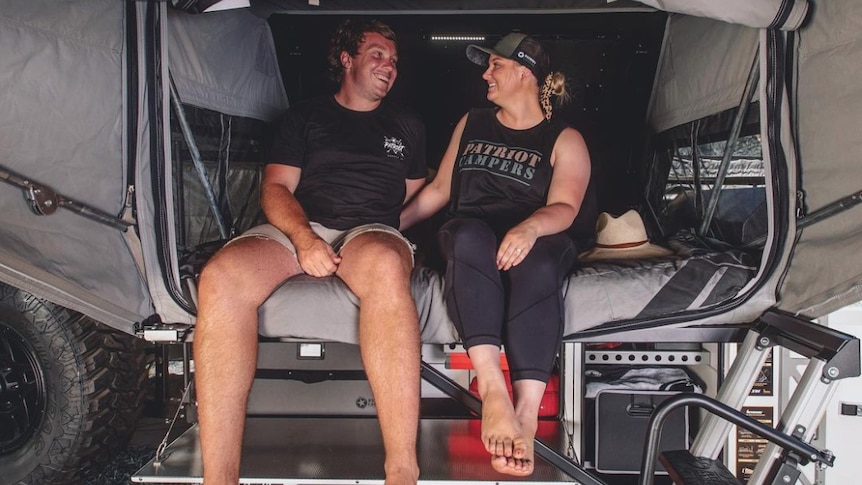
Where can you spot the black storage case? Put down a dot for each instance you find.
(621, 424)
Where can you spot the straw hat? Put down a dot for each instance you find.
(622, 237)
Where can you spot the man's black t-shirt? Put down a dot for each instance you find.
(353, 163)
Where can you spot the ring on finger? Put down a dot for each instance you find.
(518, 250)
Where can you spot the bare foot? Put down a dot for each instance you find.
(521, 465)
(501, 431)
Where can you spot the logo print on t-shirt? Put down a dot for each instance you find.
(394, 147)
(514, 163)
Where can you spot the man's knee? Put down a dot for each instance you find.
(229, 261)
(244, 270)
(218, 268)
(375, 261)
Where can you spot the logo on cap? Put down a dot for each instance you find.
(523, 55)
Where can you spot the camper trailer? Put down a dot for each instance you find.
(133, 137)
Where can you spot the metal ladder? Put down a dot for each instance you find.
(832, 356)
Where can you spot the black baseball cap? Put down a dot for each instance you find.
(518, 47)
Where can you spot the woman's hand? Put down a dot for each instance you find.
(571, 162)
(516, 244)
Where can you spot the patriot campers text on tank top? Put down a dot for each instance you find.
(502, 175)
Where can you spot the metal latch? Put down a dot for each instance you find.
(163, 332)
(44, 201)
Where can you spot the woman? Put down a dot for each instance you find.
(514, 179)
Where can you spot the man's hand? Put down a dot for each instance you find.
(317, 258)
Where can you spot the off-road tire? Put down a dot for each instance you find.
(87, 379)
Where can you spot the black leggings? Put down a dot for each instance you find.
(521, 308)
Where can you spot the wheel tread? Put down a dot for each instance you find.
(100, 375)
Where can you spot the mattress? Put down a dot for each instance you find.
(595, 294)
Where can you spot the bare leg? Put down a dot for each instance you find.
(528, 398)
(376, 267)
(501, 430)
(232, 287)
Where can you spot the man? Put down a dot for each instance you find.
(340, 170)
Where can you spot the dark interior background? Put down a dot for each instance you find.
(609, 59)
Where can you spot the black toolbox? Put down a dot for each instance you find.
(621, 425)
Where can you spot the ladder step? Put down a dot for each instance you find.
(687, 469)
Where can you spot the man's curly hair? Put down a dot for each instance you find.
(348, 37)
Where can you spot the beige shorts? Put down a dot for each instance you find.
(337, 238)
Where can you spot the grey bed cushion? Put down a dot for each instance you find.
(629, 289)
(324, 309)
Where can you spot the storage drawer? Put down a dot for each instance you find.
(310, 379)
(277, 397)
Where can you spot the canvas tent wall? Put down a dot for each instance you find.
(78, 116)
(63, 123)
(824, 272)
(244, 83)
(825, 106)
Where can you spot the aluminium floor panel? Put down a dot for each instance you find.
(342, 451)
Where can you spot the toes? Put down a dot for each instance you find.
(507, 447)
(512, 466)
(499, 463)
(525, 466)
(519, 450)
(501, 446)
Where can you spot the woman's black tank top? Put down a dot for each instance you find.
(502, 175)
